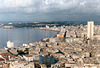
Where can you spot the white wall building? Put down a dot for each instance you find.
(62, 29)
(47, 26)
(21, 65)
(10, 44)
(28, 57)
(90, 30)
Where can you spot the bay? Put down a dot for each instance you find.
(23, 35)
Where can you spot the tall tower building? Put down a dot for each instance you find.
(90, 30)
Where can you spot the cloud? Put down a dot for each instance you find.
(50, 7)
(30, 6)
(15, 3)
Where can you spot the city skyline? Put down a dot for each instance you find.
(49, 10)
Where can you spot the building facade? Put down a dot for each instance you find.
(90, 30)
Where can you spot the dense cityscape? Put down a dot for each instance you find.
(72, 47)
(49, 33)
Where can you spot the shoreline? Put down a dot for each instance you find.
(41, 28)
(35, 41)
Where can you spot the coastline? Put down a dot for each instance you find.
(2, 50)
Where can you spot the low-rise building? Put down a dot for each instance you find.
(28, 57)
(22, 64)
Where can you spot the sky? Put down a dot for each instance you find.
(49, 10)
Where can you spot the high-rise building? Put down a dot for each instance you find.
(90, 29)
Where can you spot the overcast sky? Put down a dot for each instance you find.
(49, 10)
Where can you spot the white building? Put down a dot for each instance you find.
(22, 64)
(28, 57)
(8, 27)
(52, 40)
(90, 30)
(47, 27)
(10, 44)
(84, 65)
(62, 29)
